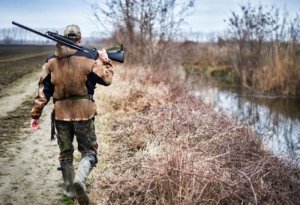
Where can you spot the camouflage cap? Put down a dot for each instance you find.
(72, 31)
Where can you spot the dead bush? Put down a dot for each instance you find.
(179, 151)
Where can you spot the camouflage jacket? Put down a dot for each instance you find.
(69, 76)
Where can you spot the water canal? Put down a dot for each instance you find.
(275, 119)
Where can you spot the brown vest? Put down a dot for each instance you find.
(69, 75)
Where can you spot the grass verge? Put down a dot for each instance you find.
(160, 146)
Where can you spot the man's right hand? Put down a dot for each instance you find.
(34, 124)
(103, 55)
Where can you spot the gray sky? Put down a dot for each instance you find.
(208, 15)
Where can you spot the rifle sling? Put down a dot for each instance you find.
(74, 97)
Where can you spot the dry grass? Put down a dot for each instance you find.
(280, 74)
(275, 70)
(160, 146)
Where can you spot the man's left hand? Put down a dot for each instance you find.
(35, 124)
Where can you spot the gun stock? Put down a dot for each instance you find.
(116, 54)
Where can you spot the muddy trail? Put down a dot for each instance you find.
(28, 159)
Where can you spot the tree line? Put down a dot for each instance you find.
(19, 35)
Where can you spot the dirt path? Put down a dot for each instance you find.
(28, 160)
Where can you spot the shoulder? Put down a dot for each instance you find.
(52, 56)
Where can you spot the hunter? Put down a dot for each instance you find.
(70, 77)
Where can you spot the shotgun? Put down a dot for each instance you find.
(115, 54)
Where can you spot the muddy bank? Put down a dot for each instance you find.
(11, 125)
(15, 105)
(17, 61)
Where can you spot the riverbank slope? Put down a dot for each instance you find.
(158, 145)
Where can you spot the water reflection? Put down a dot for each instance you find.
(276, 120)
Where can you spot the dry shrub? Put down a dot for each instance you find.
(267, 40)
(173, 149)
(281, 72)
(204, 55)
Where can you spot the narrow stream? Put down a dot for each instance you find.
(276, 120)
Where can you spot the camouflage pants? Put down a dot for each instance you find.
(85, 136)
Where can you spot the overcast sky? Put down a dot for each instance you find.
(208, 15)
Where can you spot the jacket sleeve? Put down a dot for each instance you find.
(103, 69)
(44, 92)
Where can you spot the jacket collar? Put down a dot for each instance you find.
(64, 51)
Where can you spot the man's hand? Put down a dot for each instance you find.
(103, 54)
(35, 124)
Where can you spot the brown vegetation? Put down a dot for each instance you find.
(147, 28)
(260, 51)
(160, 146)
(267, 43)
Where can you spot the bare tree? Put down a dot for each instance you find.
(266, 41)
(256, 26)
(146, 27)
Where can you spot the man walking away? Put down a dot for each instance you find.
(70, 77)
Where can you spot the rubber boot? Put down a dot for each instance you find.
(68, 177)
(83, 171)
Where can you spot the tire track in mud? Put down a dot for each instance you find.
(10, 126)
(28, 160)
(15, 105)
